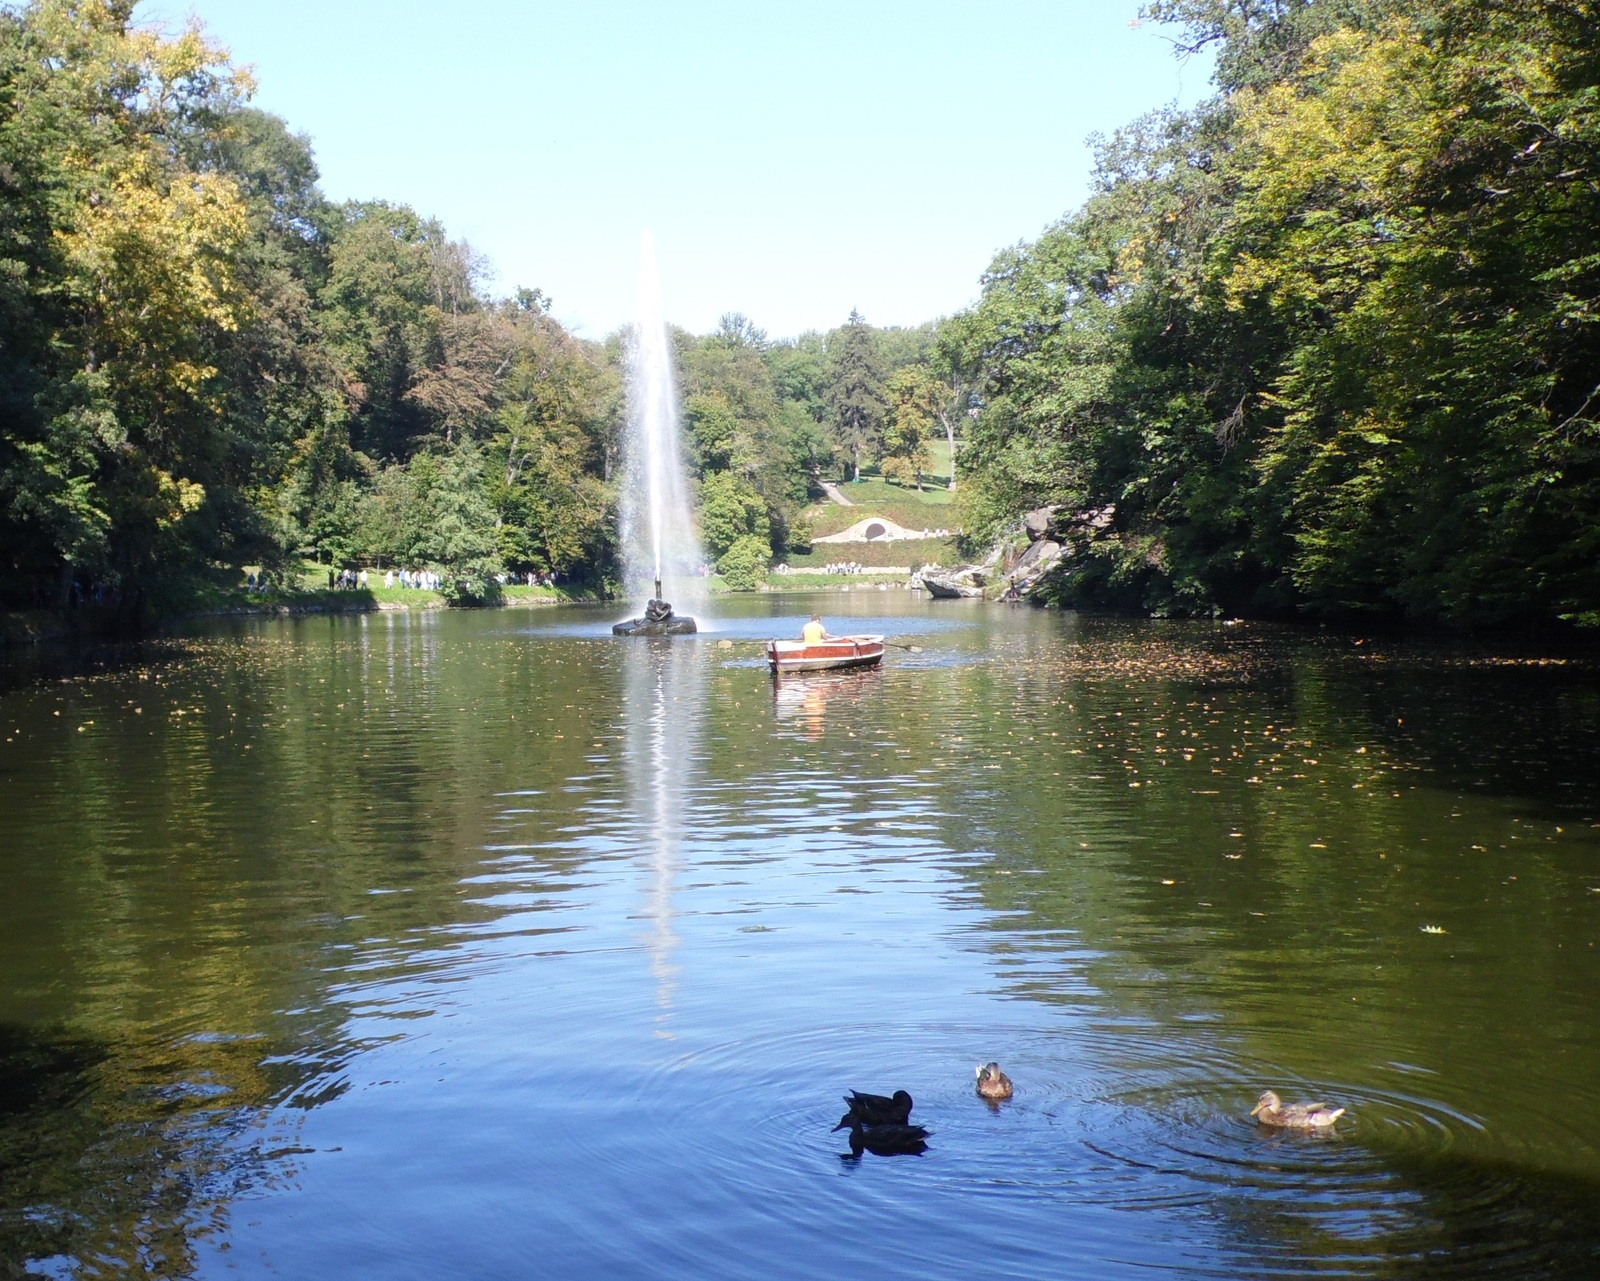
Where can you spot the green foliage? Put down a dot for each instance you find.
(762, 418)
(473, 582)
(207, 364)
(856, 392)
(1328, 343)
(914, 395)
(729, 511)
(744, 565)
(122, 299)
(800, 535)
(1453, 473)
(555, 512)
(1259, 44)
(713, 431)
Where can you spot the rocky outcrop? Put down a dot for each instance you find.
(1056, 534)
(1060, 524)
(1042, 552)
(1015, 567)
(953, 584)
(1037, 523)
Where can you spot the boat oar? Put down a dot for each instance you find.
(728, 644)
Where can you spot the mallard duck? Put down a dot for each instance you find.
(1271, 1110)
(887, 1140)
(993, 1084)
(876, 1109)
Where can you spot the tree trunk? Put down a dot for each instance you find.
(950, 435)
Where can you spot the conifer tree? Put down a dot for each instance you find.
(856, 390)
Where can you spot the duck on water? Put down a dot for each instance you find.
(993, 1084)
(876, 1109)
(1273, 1111)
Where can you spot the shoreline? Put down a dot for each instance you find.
(24, 629)
(21, 628)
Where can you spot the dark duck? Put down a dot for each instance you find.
(876, 1109)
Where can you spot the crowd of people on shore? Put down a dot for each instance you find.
(428, 580)
(835, 567)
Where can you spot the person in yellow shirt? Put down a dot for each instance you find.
(814, 633)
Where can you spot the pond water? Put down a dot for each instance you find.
(487, 945)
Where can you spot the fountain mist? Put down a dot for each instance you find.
(659, 541)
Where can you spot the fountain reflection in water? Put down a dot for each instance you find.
(665, 702)
(659, 542)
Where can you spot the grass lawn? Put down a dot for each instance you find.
(522, 594)
(874, 496)
(811, 582)
(938, 472)
(905, 552)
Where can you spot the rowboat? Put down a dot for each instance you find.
(830, 655)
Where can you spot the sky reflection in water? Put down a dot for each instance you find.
(475, 945)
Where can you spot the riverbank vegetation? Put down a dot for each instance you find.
(208, 365)
(1330, 342)
(1324, 345)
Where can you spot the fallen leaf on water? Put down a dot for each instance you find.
(1433, 929)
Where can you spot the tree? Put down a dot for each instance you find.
(1260, 42)
(1412, 206)
(204, 362)
(914, 399)
(554, 509)
(714, 431)
(121, 300)
(855, 390)
(1327, 342)
(730, 510)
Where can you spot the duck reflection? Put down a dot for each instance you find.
(665, 709)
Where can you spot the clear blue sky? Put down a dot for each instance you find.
(793, 160)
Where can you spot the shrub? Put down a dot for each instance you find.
(744, 565)
(800, 535)
(475, 583)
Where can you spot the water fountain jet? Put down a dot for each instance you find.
(658, 534)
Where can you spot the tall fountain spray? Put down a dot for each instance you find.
(659, 543)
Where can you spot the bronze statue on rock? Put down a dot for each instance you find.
(658, 620)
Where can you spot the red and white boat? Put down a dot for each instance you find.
(833, 654)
